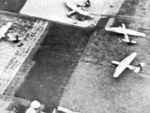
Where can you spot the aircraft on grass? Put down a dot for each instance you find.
(8, 37)
(4, 29)
(122, 30)
(125, 63)
(77, 10)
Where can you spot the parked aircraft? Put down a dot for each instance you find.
(12, 38)
(78, 10)
(126, 32)
(4, 29)
(125, 63)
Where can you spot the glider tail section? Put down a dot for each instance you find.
(138, 68)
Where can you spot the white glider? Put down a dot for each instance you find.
(122, 30)
(125, 63)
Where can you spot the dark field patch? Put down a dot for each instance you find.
(12, 5)
(56, 60)
(66, 40)
(48, 78)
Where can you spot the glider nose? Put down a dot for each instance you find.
(106, 28)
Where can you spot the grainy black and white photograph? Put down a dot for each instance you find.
(74, 56)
